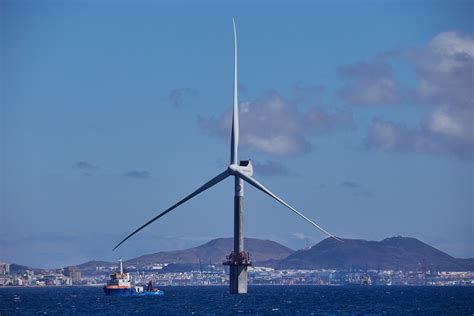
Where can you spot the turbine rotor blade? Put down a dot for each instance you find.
(260, 186)
(234, 140)
(204, 187)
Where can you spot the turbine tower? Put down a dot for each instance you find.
(242, 171)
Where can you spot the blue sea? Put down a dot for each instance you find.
(261, 300)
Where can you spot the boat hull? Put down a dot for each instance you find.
(131, 292)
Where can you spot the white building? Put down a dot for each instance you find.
(4, 268)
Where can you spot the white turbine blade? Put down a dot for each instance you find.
(204, 187)
(234, 142)
(260, 186)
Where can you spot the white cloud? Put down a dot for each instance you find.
(444, 122)
(452, 43)
(388, 136)
(369, 83)
(276, 126)
(384, 134)
(444, 70)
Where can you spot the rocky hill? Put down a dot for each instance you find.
(215, 251)
(395, 253)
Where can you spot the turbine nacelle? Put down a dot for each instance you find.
(245, 167)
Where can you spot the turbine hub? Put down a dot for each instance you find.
(245, 166)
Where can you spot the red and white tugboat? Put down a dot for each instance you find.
(119, 285)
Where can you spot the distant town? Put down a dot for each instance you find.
(217, 275)
(393, 261)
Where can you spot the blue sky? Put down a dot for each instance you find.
(358, 114)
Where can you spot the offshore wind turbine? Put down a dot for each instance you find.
(242, 171)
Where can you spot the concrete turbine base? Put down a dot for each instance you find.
(239, 260)
(238, 279)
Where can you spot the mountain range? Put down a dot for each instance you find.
(394, 253)
(213, 252)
